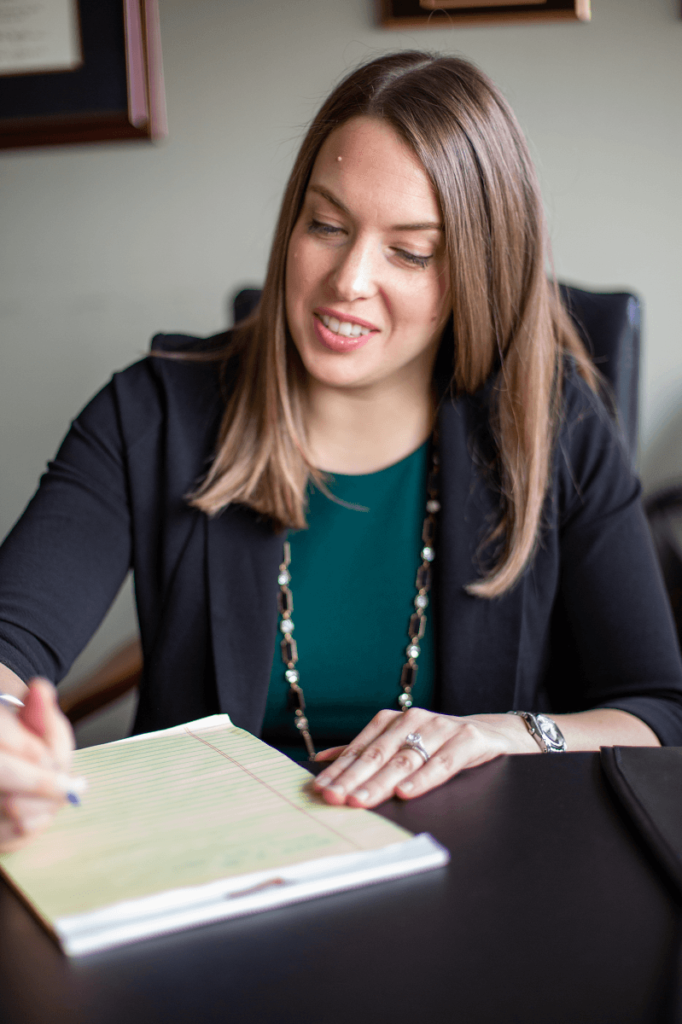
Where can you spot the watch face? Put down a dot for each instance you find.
(550, 730)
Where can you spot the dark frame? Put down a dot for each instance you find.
(410, 13)
(117, 93)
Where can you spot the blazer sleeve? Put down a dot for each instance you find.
(65, 559)
(611, 596)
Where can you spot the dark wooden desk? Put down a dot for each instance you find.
(551, 911)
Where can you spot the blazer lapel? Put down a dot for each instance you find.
(477, 639)
(242, 554)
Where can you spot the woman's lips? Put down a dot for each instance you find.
(340, 342)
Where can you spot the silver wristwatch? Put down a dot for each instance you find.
(544, 731)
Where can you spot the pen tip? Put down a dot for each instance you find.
(73, 799)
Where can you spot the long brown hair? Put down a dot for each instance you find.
(506, 313)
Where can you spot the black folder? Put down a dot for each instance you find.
(648, 783)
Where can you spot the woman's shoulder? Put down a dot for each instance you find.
(180, 373)
(180, 385)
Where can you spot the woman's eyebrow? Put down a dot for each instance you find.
(427, 225)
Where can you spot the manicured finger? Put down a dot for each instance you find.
(19, 777)
(349, 775)
(350, 753)
(25, 808)
(330, 754)
(11, 839)
(14, 835)
(405, 764)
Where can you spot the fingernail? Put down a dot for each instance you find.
(37, 821)
(335, 788)
(321, 780)
(71, 785)
(405, 787)
(361, 794)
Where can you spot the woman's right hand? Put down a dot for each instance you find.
(36, 744)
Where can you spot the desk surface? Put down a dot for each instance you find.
(567, 922)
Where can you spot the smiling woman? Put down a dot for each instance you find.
(367, 293)
(407, 437)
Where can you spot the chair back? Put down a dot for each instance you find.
(610, 323)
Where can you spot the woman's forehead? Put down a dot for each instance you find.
(365, 164)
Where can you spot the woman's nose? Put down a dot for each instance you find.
(355, 274)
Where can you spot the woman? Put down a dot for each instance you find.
(410, 374)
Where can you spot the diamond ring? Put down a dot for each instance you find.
(413, 741)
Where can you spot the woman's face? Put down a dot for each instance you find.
(367, 282)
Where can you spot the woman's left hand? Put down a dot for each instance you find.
(378, 765)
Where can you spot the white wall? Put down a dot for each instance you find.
(104, 245)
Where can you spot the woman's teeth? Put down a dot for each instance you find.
(343, 327)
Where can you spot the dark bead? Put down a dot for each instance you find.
(429, 531)
(295, 701)
(285, 601)
(289, 651)
(423, 577)
(417, 626)
(408, 675)
(432, 482)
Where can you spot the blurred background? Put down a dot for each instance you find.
(106, 244)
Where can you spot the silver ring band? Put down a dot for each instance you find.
(413, 741)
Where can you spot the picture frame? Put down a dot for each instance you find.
(115, 92)
(453, 13)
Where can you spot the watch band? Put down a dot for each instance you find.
(544, 731)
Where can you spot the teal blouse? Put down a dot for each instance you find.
(353, 584)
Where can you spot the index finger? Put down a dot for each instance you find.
(380, 724)
(19, 777)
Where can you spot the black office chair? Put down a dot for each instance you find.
(610, 324)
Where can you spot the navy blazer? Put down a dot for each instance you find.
(587, 625)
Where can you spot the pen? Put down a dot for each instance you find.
(13, 702)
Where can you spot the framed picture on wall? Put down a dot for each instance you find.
(77, 71)
(451, 13)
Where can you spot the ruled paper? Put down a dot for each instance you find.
(181, 808)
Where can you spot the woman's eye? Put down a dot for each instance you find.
(413, 259)
(318, 227)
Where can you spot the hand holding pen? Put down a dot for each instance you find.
(36, 744)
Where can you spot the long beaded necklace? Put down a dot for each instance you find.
(415, 629)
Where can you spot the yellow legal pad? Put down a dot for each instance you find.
(194, 824)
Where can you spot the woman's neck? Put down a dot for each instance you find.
(357, 431)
